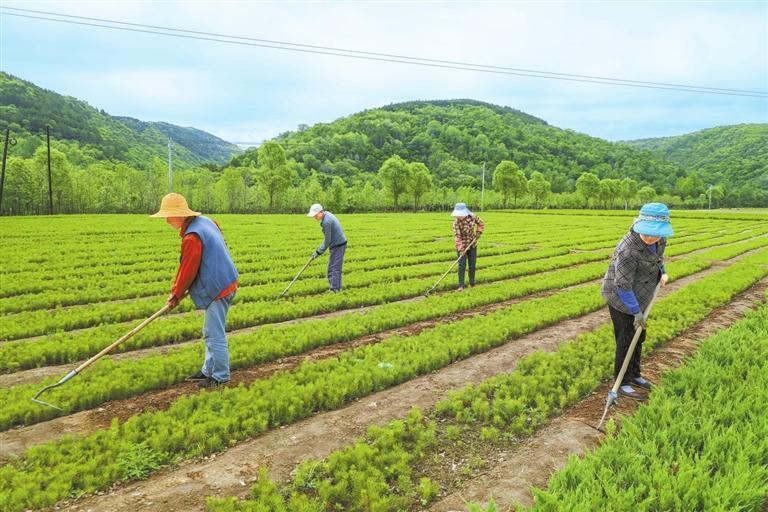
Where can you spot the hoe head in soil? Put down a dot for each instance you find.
(51, 386)
(95, 358)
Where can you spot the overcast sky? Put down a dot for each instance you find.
(243, 93)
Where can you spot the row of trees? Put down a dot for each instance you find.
(274, 183)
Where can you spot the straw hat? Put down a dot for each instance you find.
(174, 205)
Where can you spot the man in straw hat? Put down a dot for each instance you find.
(635, 269)
(207, 272)
(467, 228)
(334, 240)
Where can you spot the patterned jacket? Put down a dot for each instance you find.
(465, 230)
(634, 266)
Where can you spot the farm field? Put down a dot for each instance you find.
(376, 398)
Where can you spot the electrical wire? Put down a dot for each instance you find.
(371, 56)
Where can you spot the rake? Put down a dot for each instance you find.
(95, 358)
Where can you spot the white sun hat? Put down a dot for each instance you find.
(461, 210)
(314, 210)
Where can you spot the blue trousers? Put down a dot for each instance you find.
(335, 262)
(216, 363)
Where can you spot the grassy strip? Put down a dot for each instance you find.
(247, 314)
(378, 473)
(32, 323)
(699, 444)
(210, 421)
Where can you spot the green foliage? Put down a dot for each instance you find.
(545, 383)
(733, 157)
(138, 461)
(89, 135)
(588, 186)
(396, 175)
(510, 181)
(420, 183)
(699, 444)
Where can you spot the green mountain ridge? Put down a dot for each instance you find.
(737, 152)
(87, 134)
(455, 137)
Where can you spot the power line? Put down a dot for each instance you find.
(389, 55)
(371, 56)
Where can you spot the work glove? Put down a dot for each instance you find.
(173, 301)
(640, 321)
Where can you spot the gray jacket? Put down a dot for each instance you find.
(333, 235)
(634, 266)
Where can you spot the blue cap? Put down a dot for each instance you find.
(461, 210)
(653, 221)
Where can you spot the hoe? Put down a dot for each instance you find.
(294, 279)
(613, 393)
(95, 358)
(469, 246)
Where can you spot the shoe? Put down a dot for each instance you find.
(643, 383)
(209, 383)
(196, 377)
(460, 289)
(630, 392)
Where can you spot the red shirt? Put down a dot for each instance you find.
(191, 256)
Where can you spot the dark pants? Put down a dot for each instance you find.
(470, 255)
(335, 262)
(624, 331)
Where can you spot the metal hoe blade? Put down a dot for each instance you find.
(51, 386)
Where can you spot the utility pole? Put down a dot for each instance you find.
(170, 167)
(50, 185)
(7, 141)
(482, 191)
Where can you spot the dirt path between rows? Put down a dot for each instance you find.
(16, 441)
(231, 472)
(531, 463)
(38, 374)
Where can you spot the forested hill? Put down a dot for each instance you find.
(735, 156)
(86, 134)
(454, 137)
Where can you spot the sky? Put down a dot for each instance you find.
(248, 94)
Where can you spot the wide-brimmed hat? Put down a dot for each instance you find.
(314, 210)
(174, 205)
(653, 221)
(460, 210)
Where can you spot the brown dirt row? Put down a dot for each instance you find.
(514, 470)
(38, 374)
(16, 441)
(231, 472)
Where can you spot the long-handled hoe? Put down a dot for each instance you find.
(295, 278)
(95, 358)
(613, 393)
(469, 246)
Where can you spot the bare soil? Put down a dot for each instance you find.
(512, 472)
(231, 472)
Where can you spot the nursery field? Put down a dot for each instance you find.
(379, 398)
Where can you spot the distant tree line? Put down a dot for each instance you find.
(272, 185)
(412, 156)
